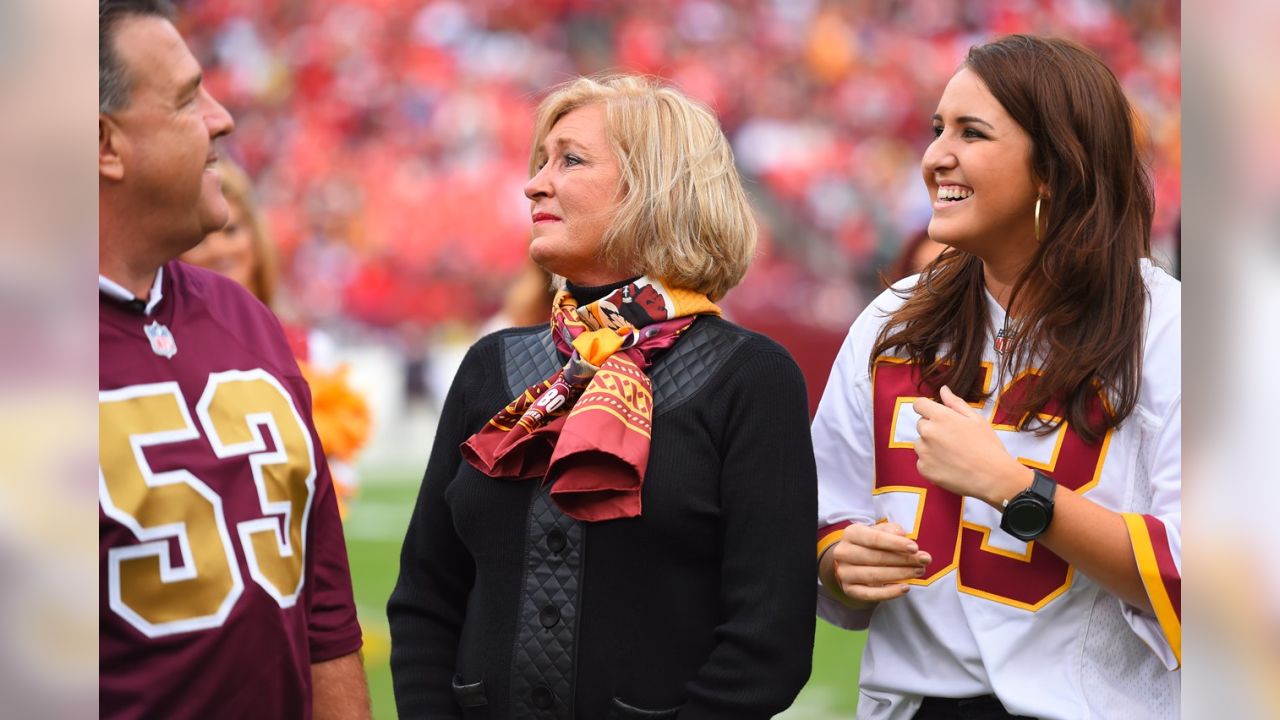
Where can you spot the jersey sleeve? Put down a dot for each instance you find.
(1156, 539)
(333, 627)
(1155, 530)
(845, 454)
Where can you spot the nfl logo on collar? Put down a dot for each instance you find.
(1004, 338)
(162, 342)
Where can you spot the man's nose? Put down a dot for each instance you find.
(218, 119)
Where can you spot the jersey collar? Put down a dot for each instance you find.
(117, 291)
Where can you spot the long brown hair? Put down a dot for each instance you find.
(1079, 303)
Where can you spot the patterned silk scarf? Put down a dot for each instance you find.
(585, 430)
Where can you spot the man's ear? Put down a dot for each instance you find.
(110, 139)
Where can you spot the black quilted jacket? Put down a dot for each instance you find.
(702, 607)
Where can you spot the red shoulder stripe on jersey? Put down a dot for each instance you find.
(829, 535)
(1159, 574)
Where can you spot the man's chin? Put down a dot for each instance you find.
(214, 217)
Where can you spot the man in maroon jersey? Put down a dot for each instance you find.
(224, 588)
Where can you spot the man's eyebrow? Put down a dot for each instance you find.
(967, 119)
(191, 85)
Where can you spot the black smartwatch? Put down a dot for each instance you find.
(1028, 514)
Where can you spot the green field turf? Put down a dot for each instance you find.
(375, 526)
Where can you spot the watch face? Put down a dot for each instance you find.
(1024, 519)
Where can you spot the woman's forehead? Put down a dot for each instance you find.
(967, 97)
(965, 89)
(584, 124)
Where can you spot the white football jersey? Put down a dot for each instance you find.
(994, 614)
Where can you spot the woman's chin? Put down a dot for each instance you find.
(546, 260)
(939, 233)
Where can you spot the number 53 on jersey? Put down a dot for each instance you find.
(157, 593)
(1027, 579)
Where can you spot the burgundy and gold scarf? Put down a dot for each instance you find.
(585, 430)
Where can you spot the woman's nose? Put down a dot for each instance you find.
(938, 156)
(538, 186)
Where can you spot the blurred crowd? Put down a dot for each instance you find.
(389, 138)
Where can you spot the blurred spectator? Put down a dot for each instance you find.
(914, 256)
(527, 301)
(387, 136)
(242, 250)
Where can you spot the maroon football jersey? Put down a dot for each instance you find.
(223, 573)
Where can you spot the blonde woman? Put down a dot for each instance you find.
(630, 536)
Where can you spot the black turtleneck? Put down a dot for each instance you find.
(588, 294)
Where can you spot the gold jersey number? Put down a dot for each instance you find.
(147, 588)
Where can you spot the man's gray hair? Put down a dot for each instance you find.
(113, 77)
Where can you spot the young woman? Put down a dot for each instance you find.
(998, 447)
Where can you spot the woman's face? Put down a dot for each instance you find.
(574, 196)
(228, 251)
(978, 171)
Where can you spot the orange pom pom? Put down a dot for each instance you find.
(341, 414)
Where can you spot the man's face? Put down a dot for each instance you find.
(167, 131)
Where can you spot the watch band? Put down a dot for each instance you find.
(1044, 487)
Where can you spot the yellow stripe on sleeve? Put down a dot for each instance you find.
(828, 540)
(1145, 554)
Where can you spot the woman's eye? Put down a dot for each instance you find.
(572, 160)
(971, 133)
(937, 131)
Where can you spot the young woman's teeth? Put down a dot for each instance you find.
(953, 192)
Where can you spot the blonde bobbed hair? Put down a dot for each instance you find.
(683, 217)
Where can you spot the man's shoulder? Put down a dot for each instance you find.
(229, 319)
(200, 292)
(208, 286)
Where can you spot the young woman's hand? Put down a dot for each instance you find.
(871, 563)
(958, 450)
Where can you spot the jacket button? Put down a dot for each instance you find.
(548, 616)
(542, 697)
(556, 540)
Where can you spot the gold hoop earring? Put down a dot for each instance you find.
(1037, 219)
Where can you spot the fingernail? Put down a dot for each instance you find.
(913, 548)
(919, 571)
